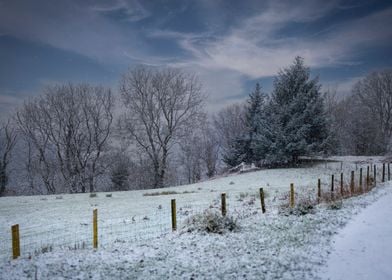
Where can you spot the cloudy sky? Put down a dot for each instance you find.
(229, 44)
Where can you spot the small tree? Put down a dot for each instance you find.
(119, 174)
(229, 125)
(190, 157)
(209, 149)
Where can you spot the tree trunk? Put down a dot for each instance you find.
(91, 184)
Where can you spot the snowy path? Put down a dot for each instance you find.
(363, 249)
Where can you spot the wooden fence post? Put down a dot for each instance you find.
(223, 199)
(383, 173)
(368, 178)
(173, 215)
(360, 179)
(375, 175)
(332, 186)
(15, 241)
(389, 172)
(352, 186)
(95, 228)
(292, 199)
(319, 190)
(262, 200)
(341, 184)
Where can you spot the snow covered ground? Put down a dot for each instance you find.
(363, 249)
(136, 241)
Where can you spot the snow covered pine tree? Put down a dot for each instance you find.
(242, 149)
(294, 123)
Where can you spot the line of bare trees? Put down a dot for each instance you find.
(66, 131)
(69, 140)
(363, 121)
(7, 143)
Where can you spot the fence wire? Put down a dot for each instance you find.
(146, 223)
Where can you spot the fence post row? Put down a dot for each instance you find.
(173, 215)
(262, 200)
(95, 228)
(15, 228)
(15, 241)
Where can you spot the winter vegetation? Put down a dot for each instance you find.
(136, 240)
(71, 139)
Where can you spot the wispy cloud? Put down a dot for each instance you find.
(257, 49)
(77, 26)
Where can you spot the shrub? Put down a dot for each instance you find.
(211, 221)
(160, 193)
(335, 205)
(166, 193)
(93, 195)
(44, 249)
(303, 206)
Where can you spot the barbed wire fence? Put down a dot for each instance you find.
(147, 223)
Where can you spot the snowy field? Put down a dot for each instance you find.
(136, 242)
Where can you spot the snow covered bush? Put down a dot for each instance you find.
(335, 205)
(303, 206)
(211, 221)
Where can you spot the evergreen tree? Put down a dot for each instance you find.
(253, 115)
(242, 149)
(235, 155)
(295, 122)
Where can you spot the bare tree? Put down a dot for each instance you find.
(229, 125)
(191, 158)
(68, 127)
(160, 105)
(375, 93)
(209, 149)
(7, 143)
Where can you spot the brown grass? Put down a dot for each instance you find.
(166, 193)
